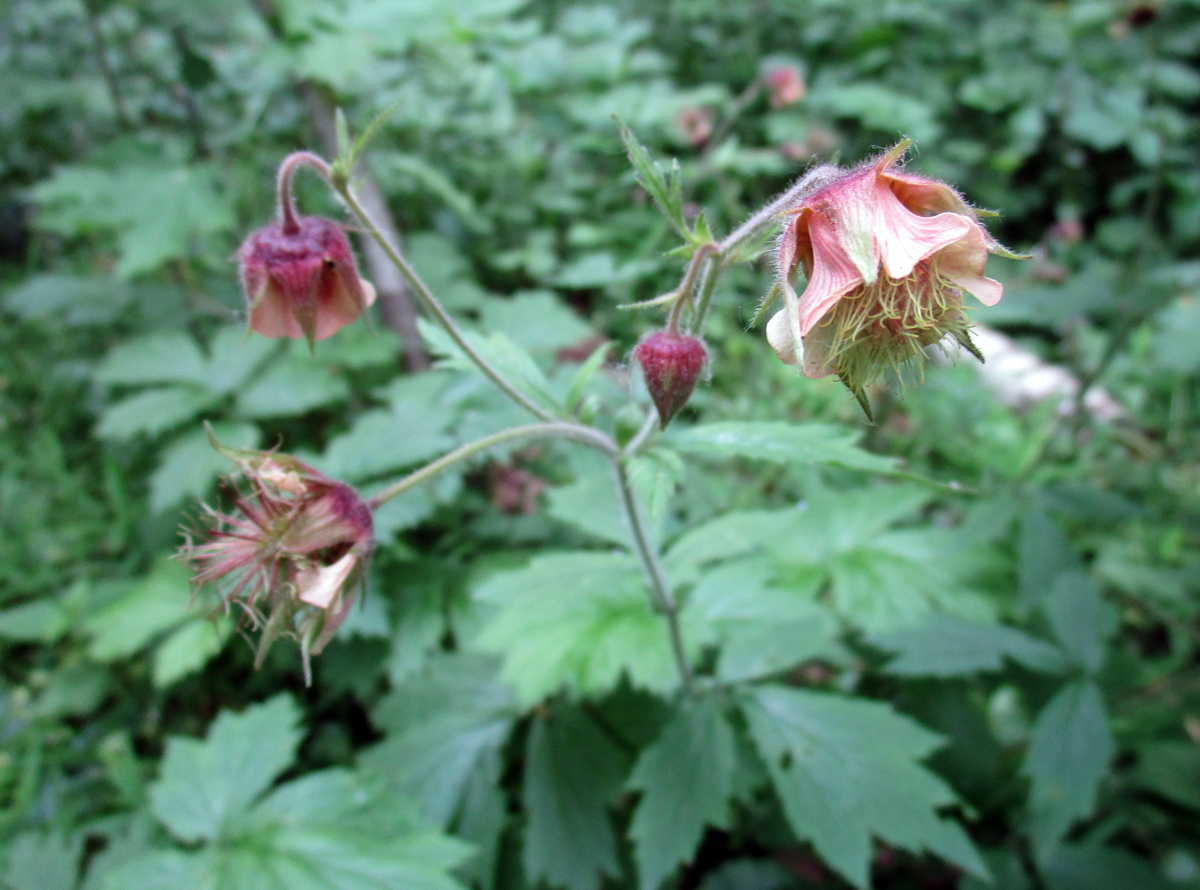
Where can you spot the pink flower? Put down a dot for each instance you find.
(887, 256)
(300, 279)
(785, 86)
(292, 552)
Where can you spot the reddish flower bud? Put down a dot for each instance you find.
(671, 365)
(786, 86)
(291, 554)
(300, 279)
(696, 125)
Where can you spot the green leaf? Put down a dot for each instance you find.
(809, 443)
(150, 606)
(204, 785)
(84, 300)
(655, 474)
(764, 629)
(584, 375)
(188, 649)
(579, 620)
(289, 388)
(382, 441)
(1092, 867)
(440, 724)
(1069, 753)
(536, 321)
(165, 870)
(572, 772)
(1043, 552)
(1080, 619)
(155, 358)
(502, 353)
(591, 503)
(666, 191)
(191, 465)
(847, 770)
(686, 780)
(152, 411)
(943, 646)
(42, 862)
(233, 357)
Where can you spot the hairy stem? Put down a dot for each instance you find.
(803, 186)
(684, 294)
(426, 298)
(584, 435)
(660, 587)
(283, 186)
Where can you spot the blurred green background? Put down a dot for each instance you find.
(1040, 615)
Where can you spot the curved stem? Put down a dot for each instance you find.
(649, 425)
(283, 186)
(426, 298)
(584, 435)
(684, 294)
(660, 587)
(711, 276)
(803, 186)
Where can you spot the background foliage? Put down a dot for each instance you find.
(908, 684)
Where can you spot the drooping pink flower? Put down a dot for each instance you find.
(887, 256)
(785, 86)
(291, 554)
(300, 279)
(696, 124)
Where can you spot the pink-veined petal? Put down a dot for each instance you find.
(963, 263)
(924, 196)
(905, 239)
(833, 274)
(271, 315)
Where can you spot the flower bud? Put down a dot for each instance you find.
(300, 279)
(786, 86)
(671, 365)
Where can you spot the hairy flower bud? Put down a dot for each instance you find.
(671, 365)
(300, 279)
(887, 255)
(292, 553)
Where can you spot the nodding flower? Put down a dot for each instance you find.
(300, 279)
(291, 554)
(887, 256)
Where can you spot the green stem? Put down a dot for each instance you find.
(584, 435)
(426, 298)
(711, 275)
(684, 294)
(805, 185)
(660, 587)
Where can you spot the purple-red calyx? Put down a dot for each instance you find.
(290, 555)
(671, 365)
(888, 256)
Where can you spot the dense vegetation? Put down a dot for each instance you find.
(959, 643)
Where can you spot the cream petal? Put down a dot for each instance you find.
(320, 587)
(834, 273)
(905, 239)
(816, 353)
(987, 290)
(271, 315)
(779, 335)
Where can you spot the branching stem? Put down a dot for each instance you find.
(584, 435)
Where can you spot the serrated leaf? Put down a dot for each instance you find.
(584, 375)
(152, 411)
(590, 503)
(846, 770)
(943, 646)
(1069, 753)
(686, 780)
(190, 465)
(165, 870)
(536, 321)
(572, 773)
(579, 620)
(808, 443)
(1043, 552)
(762, 628)
(387, 440)
(441, 723)
(204, 785)
(84, 300)
(666, 194)
(188, 649)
